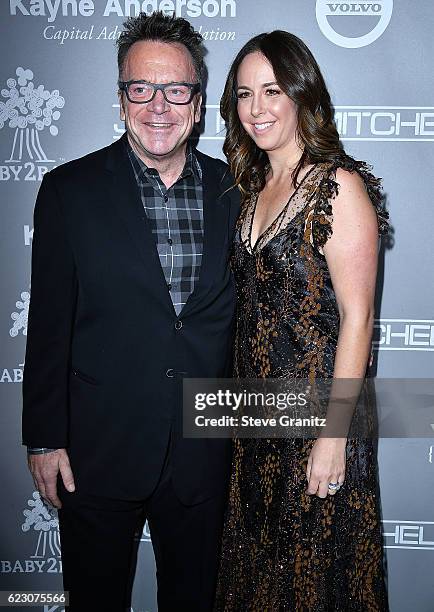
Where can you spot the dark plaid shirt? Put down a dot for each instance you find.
(176, 218)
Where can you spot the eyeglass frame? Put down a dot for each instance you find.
(194, 89)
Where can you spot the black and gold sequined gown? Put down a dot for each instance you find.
(284, 550)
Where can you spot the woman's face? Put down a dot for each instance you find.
(267, 114)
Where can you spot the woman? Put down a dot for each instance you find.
(302, 529)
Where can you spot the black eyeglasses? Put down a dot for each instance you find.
(140, 92)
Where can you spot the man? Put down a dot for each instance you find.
(131, 292)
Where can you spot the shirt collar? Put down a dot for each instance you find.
(142, 171)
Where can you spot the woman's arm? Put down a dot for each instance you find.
(351, 254)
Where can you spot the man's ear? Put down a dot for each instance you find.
(121, 106)
(198, 109)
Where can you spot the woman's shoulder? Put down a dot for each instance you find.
(350, 172)
(348, 179)
(345, 176)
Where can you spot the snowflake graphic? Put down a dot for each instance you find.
(29, 110)
(20, 318)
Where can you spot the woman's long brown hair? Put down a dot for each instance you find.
(298, 75)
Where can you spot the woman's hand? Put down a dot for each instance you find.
(326, 464)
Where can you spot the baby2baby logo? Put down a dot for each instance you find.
(28, 110)
(43, 526)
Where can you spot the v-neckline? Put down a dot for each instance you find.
(262, 234)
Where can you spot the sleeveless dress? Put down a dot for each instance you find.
(284, 550)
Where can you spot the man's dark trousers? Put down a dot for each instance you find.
(97, 537)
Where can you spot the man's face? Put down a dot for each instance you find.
(158, 130)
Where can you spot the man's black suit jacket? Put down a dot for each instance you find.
(104, 360)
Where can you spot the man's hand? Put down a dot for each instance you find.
(44, 469)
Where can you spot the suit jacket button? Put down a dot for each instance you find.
(170, 373)
(178, 325)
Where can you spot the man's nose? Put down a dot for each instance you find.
(158, 104)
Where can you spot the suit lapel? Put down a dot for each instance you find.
(124, 196)
(215, 219)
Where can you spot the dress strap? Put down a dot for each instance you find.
(320, 215)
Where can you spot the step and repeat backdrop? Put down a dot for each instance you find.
(58, 102)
